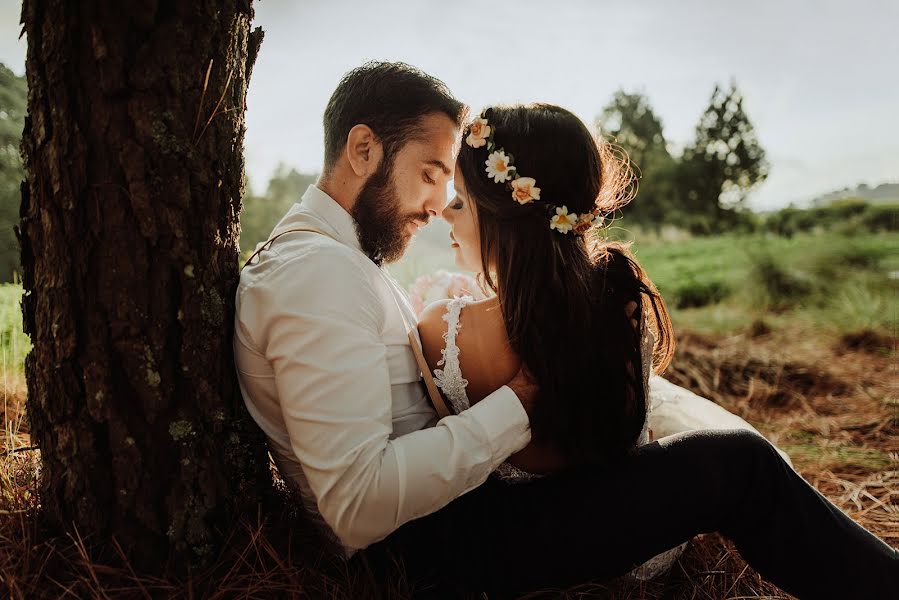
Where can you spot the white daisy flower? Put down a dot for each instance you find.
(562, 221)
(478, 133)
(523, 190)
(498, 167)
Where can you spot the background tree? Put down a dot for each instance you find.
(629, 121)
(13, 97)
(262, 213)
(721, 166)
(129, 232)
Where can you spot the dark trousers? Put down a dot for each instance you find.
(587, 524)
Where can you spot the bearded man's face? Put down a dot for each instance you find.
(407, 190)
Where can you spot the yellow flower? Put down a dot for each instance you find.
(523, 190)
(562, 221)
(498, 167)
(478, 133)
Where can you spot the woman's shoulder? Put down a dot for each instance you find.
(486, 359)
(433, 316)
(433, 324)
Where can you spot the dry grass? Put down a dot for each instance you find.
(834, 408)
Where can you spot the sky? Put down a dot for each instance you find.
(819, 78)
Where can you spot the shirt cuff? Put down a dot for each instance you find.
(504, 419)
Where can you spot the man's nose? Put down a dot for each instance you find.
(436, 202)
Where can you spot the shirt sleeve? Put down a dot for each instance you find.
(318, 320)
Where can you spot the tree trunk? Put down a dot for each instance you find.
(133, 149)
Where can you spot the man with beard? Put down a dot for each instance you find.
(327, 371)
(321, 344)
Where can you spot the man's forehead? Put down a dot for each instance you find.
(440, 140)
(432, 154)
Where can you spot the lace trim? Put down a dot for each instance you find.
(658, 564)
(449, 379)
(511, 474)
(647, 345)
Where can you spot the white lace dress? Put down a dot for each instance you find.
(450, 380)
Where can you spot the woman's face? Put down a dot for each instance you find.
(462, 215)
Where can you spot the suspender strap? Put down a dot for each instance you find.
(268, 243)
(433, 393)
(436, 399)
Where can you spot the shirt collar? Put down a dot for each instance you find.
(326, 208)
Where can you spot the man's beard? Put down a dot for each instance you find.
(383, 232)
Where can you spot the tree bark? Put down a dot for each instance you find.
(133, 149)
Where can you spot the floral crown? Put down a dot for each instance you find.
(524, 189)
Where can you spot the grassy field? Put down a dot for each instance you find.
(14, 344)
(830, 283)
(798, 336)
(834, 283)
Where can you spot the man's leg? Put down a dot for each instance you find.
(587, 524)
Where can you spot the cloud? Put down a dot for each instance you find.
(812, 73)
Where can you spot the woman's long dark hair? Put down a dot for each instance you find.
(564, 297)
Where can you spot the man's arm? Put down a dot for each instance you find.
(318, 320)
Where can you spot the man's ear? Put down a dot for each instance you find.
(363, 150)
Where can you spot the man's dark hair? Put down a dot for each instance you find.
(389, 97)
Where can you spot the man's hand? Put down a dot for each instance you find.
(525, 387)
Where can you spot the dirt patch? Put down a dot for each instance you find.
(738, 374)
(12, 407)
(868, 340)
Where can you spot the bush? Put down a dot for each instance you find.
(694, 293)
(881, 217)
(843, 210)
(759, 328)
(849, 254)
(848, 216)
(776, 286)
(866, 340)
(858, 256)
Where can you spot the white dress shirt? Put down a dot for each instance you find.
(326, 370)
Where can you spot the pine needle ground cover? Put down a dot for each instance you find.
(798, 336)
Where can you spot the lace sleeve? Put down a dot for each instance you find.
(449, 378)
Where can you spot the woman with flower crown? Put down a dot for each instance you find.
(582, 313)
(533, 188)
